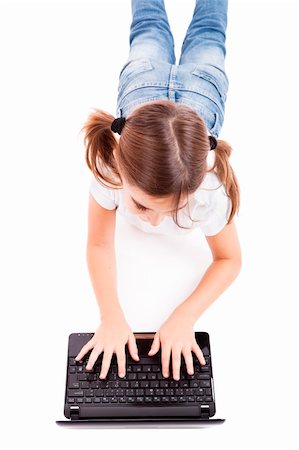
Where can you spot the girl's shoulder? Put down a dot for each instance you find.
(212, 204)
(209, 187)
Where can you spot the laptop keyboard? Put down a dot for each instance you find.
(142, 384)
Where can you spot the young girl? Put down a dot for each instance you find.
(156, 173)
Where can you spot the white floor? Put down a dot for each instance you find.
(61, 59)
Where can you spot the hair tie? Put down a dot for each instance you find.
(213, 142)
(118, 124)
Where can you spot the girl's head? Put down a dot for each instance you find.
(159, 160)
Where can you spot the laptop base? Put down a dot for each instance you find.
(140, 423)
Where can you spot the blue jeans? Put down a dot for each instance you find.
(150, 72)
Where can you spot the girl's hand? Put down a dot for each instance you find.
(111, 337)
(176, 336)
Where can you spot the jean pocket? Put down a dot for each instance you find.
(214, 76)
(134, 67)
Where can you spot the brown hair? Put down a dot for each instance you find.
(162, 150)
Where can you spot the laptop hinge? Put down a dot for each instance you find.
(205, 411)
(74, 412)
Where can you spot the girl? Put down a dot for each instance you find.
(156, 173)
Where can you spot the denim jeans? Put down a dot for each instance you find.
(151, 73)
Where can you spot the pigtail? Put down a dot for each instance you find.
(100, 141)
(226, 175)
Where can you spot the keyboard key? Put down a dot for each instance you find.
(82, 376)
(119, 392)
(132, 376)
(149, 392)
(179, 391)
(159, 392)
(204, 383)
(169, 391)
(152, 376)
(129, 392)
(75, 393)
(72, 362)
(142, 376)
(89, 393)
(189, 391)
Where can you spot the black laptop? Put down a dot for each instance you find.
(144, 397)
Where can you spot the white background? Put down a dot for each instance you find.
(59, 60)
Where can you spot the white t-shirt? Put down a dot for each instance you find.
(209, 204)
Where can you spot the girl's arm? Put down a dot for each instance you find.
(176, 335)
(113, 333)
(101, 260)
(226, 265)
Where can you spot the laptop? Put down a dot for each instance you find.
(144, 397)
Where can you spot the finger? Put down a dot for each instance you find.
(176, 363)
(155, 345)
(189, 360)
(93, 357)
(106, 363)
(165, 357)
(84, 350)
(133, 349)
(121, 362)
(196, 349)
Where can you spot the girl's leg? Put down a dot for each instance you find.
(150, 34)
(205, 38)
